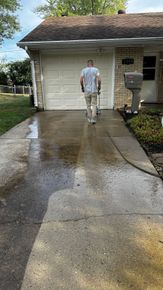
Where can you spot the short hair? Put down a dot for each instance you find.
(121, 11)
(90, 61)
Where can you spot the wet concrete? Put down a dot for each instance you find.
(80, 217)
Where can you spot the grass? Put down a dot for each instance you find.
(13, 110)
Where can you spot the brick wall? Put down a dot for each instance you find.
(36, 57)
(121, 94)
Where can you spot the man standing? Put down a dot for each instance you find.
(90, 82)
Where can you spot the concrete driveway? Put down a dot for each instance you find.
(75, 212)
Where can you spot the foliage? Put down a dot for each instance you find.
(147, 128)
(16, 73)
(19, 72)
(8, 21)
(3, 78)
(3, 73)
(79, 7)
(153, 110)
(13, 110)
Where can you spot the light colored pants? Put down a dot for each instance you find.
(91, 102)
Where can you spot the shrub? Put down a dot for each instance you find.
(147, 128)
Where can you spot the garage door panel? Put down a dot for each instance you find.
(68, 74)
(104, 88)
(50, 61)
(103, 103)
(104, 72)
(55, 77)
(52, 75)
(61, 80)
(105, 81)
(71, 82)
(52, 90)
(66, 89)
(63, 97)
(70, 90)
(53, 104)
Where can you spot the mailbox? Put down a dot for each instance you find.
(133, 82)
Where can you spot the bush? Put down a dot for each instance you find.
(147, 128)
(152, 111)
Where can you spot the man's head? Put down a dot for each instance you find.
(90, 63)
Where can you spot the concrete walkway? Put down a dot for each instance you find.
(79, 216)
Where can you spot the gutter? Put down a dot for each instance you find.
(117, 41)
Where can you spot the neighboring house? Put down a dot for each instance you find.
(60, 47)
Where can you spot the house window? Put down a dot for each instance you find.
(149, 68)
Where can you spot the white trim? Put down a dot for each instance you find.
(154, 53)
(42, 84)
(113, 79)
(76, 50)
(140, 40)
(34, 83)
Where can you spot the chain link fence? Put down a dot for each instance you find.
(16, 89)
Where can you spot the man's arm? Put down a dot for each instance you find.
(82, 83)
(98, 78)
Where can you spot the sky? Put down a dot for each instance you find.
(9, 51)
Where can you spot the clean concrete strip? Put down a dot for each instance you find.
(19, 131)
(14, 148)
(100, 253)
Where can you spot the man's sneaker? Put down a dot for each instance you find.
(89, 120)
(93, 121)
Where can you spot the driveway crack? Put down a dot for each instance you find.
(27, 221)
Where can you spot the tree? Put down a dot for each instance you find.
(3, 78)
(8, 22)
(3, 72)
(79, 7)
(19, 72)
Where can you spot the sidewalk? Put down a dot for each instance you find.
(127, 145)
(14, 148)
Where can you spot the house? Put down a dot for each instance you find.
(60, 47)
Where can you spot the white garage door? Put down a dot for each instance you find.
(61, 80)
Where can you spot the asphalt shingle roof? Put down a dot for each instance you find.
(98, 27)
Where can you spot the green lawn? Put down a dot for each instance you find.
(13, 110)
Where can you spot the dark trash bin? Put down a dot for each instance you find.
(31, 99)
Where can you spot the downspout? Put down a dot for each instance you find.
(113, 80)
(33, 77)
(34, 83)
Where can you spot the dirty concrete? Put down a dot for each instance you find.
(13, 161)
(81, 217)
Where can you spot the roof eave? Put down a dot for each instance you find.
(108, 42)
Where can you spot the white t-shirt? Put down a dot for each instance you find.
(90, 83)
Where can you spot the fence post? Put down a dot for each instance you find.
(29, 90)
(14, 89)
